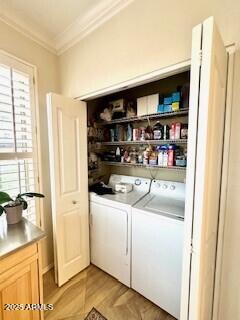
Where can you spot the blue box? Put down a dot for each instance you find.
(160, 108)
(176, 97)
(167, 100)
(167, 108)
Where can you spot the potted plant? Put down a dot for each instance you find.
(14, 208)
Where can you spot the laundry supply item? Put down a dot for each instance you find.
(167, 107)
(123, 187)
(100, 188)
(176, 96)
(167, 100)
(175, 106)
(158, 131)
(184, 131)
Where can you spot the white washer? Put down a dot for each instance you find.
(157, 244)
(110, 226)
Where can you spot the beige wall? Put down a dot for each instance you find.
(46, 62)
(145, 36)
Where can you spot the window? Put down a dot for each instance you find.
(18, 147)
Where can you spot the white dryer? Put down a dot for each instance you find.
(110, 226)
(157, 244)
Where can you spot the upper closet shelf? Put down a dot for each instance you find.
(181, 112)
(145, 142)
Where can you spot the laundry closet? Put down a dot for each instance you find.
(157, 143)
(137, 144)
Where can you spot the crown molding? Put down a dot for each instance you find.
(79, 29)
(83, 26)
(35, 36)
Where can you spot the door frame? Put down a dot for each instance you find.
(224, 184)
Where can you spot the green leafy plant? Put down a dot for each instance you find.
(6, 201)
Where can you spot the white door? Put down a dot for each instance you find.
(67, 126)
(207, 106)
(110, 240)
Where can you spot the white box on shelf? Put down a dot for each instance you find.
(152, 103)
(142, 106)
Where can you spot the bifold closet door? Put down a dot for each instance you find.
(207, 108)
(67, 128)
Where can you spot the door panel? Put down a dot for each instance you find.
(68, 132)
(22, 287)
(209, 151)
(110, 240)
(71, 225)
(67, 126)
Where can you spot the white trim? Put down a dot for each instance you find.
(35, 36)
(140, 80)
(47, 268)
(81, 27)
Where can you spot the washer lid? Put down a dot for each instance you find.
(129, 198)
(165, 205)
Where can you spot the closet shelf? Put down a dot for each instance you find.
(145, 142)
(181, 112)
(121, 164)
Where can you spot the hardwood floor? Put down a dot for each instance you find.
(94, 288)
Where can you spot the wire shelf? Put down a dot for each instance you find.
(145, 142)
(181, 112)
(121, 164)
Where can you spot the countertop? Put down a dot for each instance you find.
(16, 236)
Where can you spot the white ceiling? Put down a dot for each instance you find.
(58, 24)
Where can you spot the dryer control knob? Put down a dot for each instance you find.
(172, 187)
(158, 185)
(165, 186)
(138, 182)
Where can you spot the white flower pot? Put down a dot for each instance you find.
(14, 214)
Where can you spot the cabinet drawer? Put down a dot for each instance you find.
(17, 257)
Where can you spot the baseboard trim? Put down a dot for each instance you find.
(47, 268)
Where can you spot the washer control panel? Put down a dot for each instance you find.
(168, 188)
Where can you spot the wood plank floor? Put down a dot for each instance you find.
(94, 288)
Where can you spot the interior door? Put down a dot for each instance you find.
(67, 126)
(207, 106)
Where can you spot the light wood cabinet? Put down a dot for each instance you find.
(21, 284)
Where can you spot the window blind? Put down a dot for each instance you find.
(18, 161)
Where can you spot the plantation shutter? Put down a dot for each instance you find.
(18, 149)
